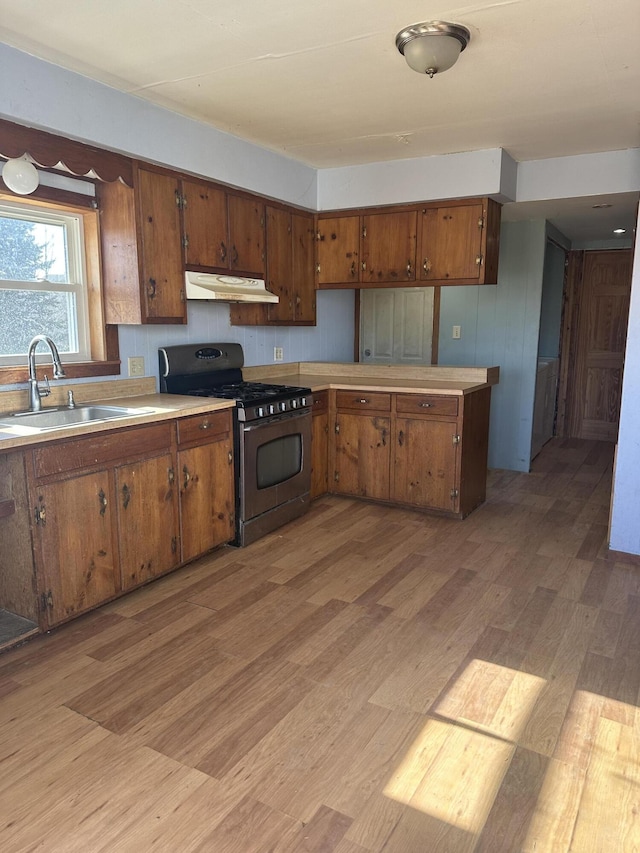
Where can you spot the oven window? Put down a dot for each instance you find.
(279, 460)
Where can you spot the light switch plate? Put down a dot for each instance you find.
(456, 333)
(278, 354)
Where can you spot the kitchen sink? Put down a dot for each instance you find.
(59, 418)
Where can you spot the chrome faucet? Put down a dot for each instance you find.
(35, 392)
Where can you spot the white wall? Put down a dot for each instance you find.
(625, 515)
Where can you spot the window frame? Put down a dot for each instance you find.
(103, 339)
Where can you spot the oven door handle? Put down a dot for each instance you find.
(273, 419)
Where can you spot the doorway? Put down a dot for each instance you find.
(594, 335)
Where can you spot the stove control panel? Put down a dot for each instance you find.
(269, 410)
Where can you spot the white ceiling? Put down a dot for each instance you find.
(323, 82)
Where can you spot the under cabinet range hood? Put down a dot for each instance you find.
(227, 288)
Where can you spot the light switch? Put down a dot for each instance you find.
(456, 333)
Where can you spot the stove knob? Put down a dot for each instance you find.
(294, 403)
(303, 401)
(260, 412)
(283, 406)
(272, 409)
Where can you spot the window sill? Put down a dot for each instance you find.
(11, 375)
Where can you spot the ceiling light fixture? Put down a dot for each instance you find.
(20, 176)
(619, 230)
(600, 206)
(432, 47)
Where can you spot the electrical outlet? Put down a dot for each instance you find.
(278, 354)
(136, 365)
(456, 333)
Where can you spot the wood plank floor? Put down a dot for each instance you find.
(365, 679)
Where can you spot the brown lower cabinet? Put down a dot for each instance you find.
(319, 443)
(419, 450)
(115, 509)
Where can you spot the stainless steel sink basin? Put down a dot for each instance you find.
(58, 418)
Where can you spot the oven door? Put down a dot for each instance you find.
(275, 462)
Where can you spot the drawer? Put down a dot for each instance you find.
(320, 402)
(102, 448)
(426, 404)
(363, 400)
(203, 428)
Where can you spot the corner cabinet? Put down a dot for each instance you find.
(440, 243)
(289, 272)
(425, 451)
(141, 237)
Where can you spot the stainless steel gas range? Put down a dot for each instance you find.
(272, 432)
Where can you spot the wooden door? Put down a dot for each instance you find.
(338, 250)
(362, 455)
(206, 228)
(246, 235)
(280, 263)
(304, 290)
(207, 511)
(161, 244)
(451, 243)
(424, 471)
(78, 552)
(389, 247)
(320, 444)
(396, 325)
(147, 519)
(601, 324)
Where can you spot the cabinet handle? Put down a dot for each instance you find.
(171, 476)
(205, 425)
(409, 269)
(426, 265)
(364, 266)
(425, 405)
(234, 255)
(102, 498)
(223, 252)
(353, 269)
(174, 544)
(384, 437)
(401, 438)
(187, 476)
(126, 496)
(151, 288)
(361, 400)
(230, 457)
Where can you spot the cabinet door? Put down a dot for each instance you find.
(280, 264)
(246, 235)
(207, 505)
(424, 470)
(205, 225)
(161, 247)
(389, 247)
(451, 243)
(319, 444)
(362, 455)
(304, 290)
(147, 519)
(78, 551)
(338, 248)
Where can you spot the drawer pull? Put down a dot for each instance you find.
(205, 425)
(361, 400)
(425, 405)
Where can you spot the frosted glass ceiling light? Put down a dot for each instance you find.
(21, 176)
(432, 47)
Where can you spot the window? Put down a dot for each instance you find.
(42, 281)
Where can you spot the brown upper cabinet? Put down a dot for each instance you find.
(289, 264)
(142, 264)
(459, 243)
(222, 230)
(441, 243)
